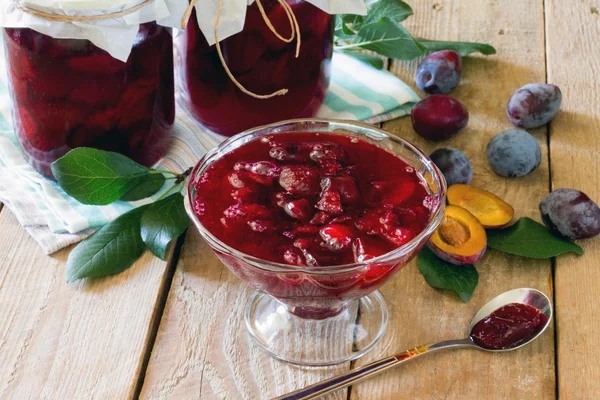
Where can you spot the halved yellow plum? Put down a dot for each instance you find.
(489, 209)
(460, 239)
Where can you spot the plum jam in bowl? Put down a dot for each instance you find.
(316, 215)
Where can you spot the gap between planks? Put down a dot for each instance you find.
(553, 260)
(165, 288)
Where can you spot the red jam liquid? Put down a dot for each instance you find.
(68, 93)
(262, 64)
(508, 326)
(311, 200)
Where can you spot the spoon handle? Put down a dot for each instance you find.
(357, 375)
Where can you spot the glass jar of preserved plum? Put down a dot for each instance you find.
(262, 63)
(70, 93)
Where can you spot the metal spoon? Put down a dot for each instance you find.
(530, 297)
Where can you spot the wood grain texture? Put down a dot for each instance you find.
(80, 341)
(573, 54)
(202, 350)
(87, 340)
(420, 314)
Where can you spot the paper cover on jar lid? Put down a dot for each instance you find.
(233, 14)
(115, 34)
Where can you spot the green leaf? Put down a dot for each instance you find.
(96, 177)
(339, 31)
(344, 26)
(353, 20)
(396, 10)
(342, 30)
(439, 274)
(462, 48)
(162, 222)
(528, 238)
(145, 187)
(388, 38)
(371, 59)
(112, 249)
(380, 31)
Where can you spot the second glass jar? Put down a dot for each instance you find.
(263, 64)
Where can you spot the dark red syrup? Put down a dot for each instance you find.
(508, 326)
(312, 200)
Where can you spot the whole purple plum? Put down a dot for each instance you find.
(534, 105)
(439, 117)
(454, 164)
(571, 213)
(513, 153)
(439, 72)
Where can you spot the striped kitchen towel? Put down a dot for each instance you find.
(55, 220)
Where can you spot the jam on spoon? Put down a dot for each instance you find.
(508, 327)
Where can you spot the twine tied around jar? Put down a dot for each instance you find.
(295, 28)
(79, 18)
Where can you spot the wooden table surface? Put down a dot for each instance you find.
(173, 330)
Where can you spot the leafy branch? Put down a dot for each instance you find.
(380, 31)
(97, 177)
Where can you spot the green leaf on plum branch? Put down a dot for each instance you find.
(439, 274)
(462, 48)
(162, 222)
(380, 31)
(528, 238)
(387, 38)
(110, 250)
(97, 177)
(146, 187)
(342, 30)
(396, 10)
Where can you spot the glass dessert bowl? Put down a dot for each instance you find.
(316, 215)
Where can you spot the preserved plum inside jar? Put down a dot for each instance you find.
(263, 64)
(68, 93)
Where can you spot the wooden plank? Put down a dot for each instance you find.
(202, 350)
(79, 341)
(420, 314)
(573, 54)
